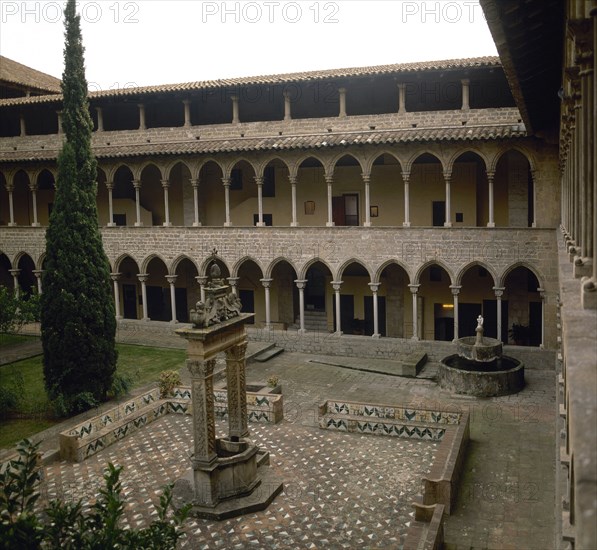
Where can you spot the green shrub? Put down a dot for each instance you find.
(121, 385)
(168, 380)
(65, 406)
(9, 401)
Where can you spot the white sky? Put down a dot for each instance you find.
(144, 42)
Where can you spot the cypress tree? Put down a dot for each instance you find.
(78, 318)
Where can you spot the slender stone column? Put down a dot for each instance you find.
(466, 94)
(293, 179)
(406, 179)
(448, 179)
(490, 178)
(59, 116)
(401, 99)
(236, 389)
(137, 186)
(142, 125)
(455, 292)
(23, 125)
(541, 292)
(15, 281)
(259, 182)
(287, 106)
(329, 180)
(10, 188)
(110, 188)
(202, 395)
(374, 289)
(233, 282)
(266, 286)
(367, 181)
(166, 186)
(336, 286)
(202, 280)
(226, 183)
(100, 119)
(38, 273)
(143, 279)
(187, 112)
(414, 289)
(301, 284)
(172, 281)
(235, 110)
(33, 189)
(195, 185)
(342, 96)
(534, 179)
(115, 277)
(499, 292)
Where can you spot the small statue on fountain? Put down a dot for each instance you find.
(479, 331)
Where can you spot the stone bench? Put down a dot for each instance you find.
(388, 420)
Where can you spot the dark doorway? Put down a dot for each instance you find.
(381, 307)
(467, 319)
(345, 209)
(129, 301)
(535, 321)
(439, 213)
(247, 299)
(156, 309)
(182, 311)
(315, 290)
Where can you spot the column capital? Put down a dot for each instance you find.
(329, 178)
(542, 293)
(201, 279)
(266, 282)
(109, 185)
(201, 369)
(455, 289)
(293, 179)
(186, 101)
(171, 278)
(414, 288)
(490, 174)
(14, 272)
(406, 176)
(195, 182)
(336, 285)
(115, 276)
(499, 291)
(142, 277)
(465, 81)
(33, 186)
(237, 352)
(38, 273)
(374, 287)
(301, 283)
(137, 184)
(233, 281)
(366, 177)
(165, 184)
(259, 180)
(447, 176)
(226, 182)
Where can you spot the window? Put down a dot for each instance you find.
(236, 179)
(459, 217)
(269, 182)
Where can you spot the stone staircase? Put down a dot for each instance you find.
(315, 321)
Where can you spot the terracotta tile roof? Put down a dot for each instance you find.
(310, 76)
(285, 143)
(16, 73)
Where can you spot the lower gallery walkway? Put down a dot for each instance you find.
(350, 491)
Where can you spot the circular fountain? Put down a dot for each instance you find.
(479, 368)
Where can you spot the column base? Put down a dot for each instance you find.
(302, 331)
(174, 322)
(367, 224)
(36, 224)
(167, 224)
(119, 317)
(196, 224)
(534, 224)
(415, 338)
(491, 224)
(583, 267)
(330, 224)
(138, 224)
(588, 293)
(447, 224)
(294, 224)
(405, 224)
(260, 224)
(338, 333)
(146, 319)
(376, 336)
(110, 224)
(227, 224)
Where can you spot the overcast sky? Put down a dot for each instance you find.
(146, 42)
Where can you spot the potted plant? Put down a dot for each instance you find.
(519, 334)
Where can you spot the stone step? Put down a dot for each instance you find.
(268, 354)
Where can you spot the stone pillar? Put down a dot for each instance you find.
(235, 110)
(165, 187)
(490, 178)
(38, 273)
(10, 188)
(301, 284)
(100, 119)
(142, 125)
(236, 389)
(448, 179)
(172, 281)
(367, 181)
(110, 188)
(115, 277)
(143, 279)
(293, 179)
(23, 125)
(259, 182)
(15, 281)
(266, 286)
(499, 292)
(455, 292)
(233, 282)
(534, 178)
(329, 180)
(204, 429)
(287, 106)
(336, 286)
(541, 292)
(226, 183)
(59, 116)
(374, 289)
(401, 99)
(466, 94)
(406, 178)
(33, 189)
(414, 289)
(342, 96)
(187, 112)
(195, 185)
(202, 280)
(137, 186)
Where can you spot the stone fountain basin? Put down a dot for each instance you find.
(487, 351)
